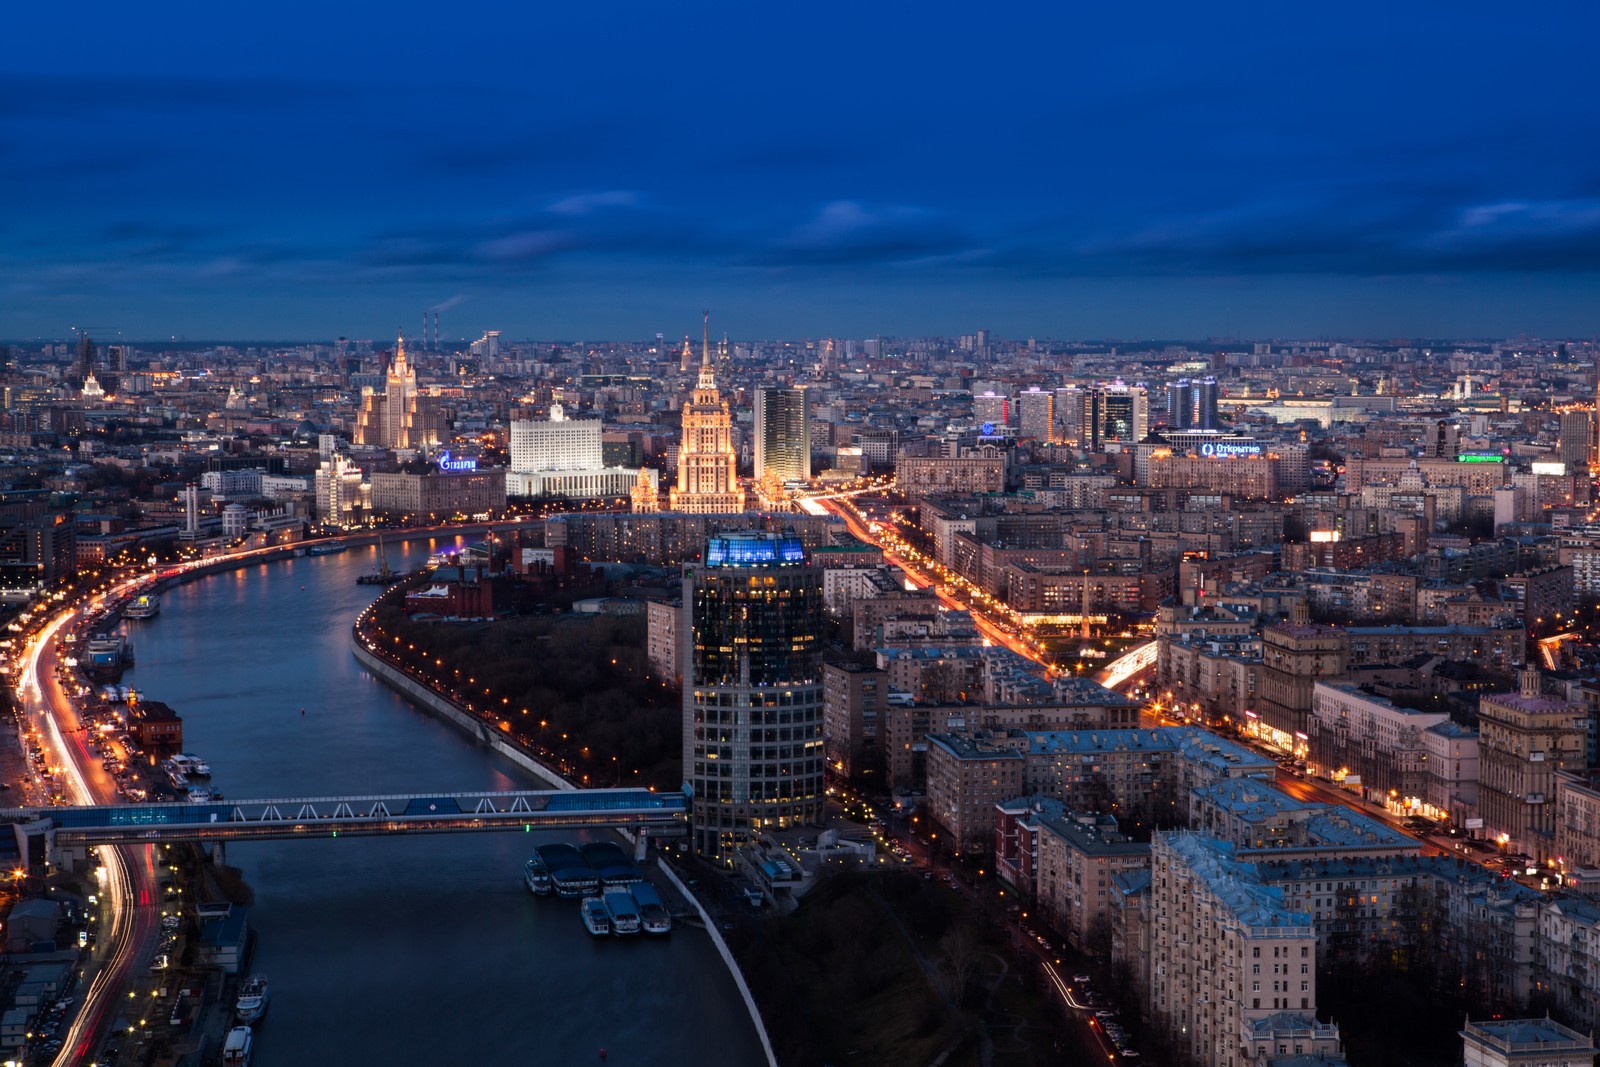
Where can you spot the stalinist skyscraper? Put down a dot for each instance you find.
(708, 482)
(400, 416)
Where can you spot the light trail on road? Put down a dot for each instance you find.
(1130, 663)
(123, 938)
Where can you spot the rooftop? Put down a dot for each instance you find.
(1527, 1035)
(1234, 883)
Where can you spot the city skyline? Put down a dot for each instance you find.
(1167, 174)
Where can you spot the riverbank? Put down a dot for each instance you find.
(487, 731)
(474, 727)
(276, 553)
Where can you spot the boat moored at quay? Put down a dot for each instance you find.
(536, 876)
(595, 917)
(624, 914)
(254, 996)
(653, 914)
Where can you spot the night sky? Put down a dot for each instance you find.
(605, 170)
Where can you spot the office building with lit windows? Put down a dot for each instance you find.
(753, 690)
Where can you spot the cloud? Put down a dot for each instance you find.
(1522, 235)
(591, 203)
(845, 232)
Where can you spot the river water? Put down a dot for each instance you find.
(425, 950)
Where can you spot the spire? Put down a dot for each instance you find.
(705, 342)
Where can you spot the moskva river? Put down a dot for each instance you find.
(425, 950)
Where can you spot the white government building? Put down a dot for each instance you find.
(562, 457)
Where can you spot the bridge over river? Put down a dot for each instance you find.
(641, 811)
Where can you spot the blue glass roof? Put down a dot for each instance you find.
(755, 550)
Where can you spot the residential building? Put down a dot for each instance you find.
(783, 435)
(1232, 964)
(1525, 1043)
(400, 416)
(663, 623)
(855, 701)
(1524, 738)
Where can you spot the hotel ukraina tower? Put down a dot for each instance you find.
(708, 480)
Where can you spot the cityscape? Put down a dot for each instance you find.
(668, 538)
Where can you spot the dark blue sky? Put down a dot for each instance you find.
(301, 170)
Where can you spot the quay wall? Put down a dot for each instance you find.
(448, 710)
(424, 696)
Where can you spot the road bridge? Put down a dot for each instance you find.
(641, 811)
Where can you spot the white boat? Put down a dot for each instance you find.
(144, 606)
(624, 914)
(236, 1049)
(536, 876)
(192, 765)
(201, 796)
(653, 914)
(595, 917)
(254, 996)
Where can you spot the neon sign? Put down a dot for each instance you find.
(1229, 448)
(446, 463)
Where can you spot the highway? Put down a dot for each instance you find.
(909, 560)
(127, 898)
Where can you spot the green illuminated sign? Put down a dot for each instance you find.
(1479, 457)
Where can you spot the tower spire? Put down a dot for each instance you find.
(705, 342)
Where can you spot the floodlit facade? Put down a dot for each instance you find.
(708, 482)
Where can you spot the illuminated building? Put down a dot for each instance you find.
(752, 690)
(783, 435)
(1524, 738)
(708, 481)
(1036, 415)
(399, 417)
(439, 493)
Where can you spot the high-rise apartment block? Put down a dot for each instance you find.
(1233, 969)
(1036, 415)
(752, 690)
(1094, 416)
(1180, 405)
(991, 410)
(783, 435)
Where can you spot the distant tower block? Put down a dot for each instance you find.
(1085, 609)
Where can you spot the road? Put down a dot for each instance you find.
(994, 632)
(131, 914)
(129, 897)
